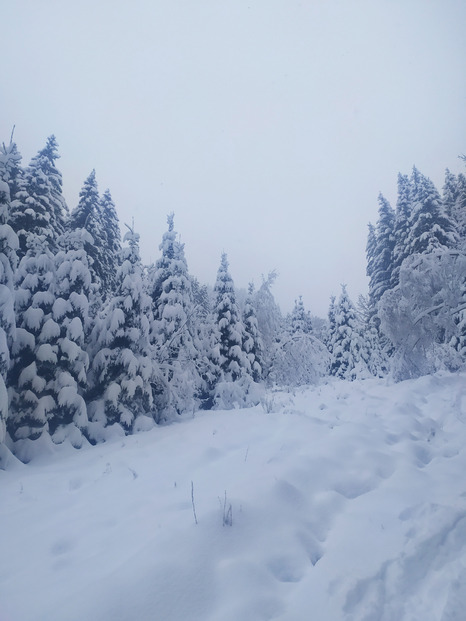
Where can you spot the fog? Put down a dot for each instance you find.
(268, 127)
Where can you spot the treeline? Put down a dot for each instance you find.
(93, 343)
(417, 276)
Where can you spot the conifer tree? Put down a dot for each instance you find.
(450, 193)
(331, 328)
(459, 340)
(173, 330)
(34, 352)
(370, 269)
(300, 319)
(202, 301)
(8, 262)
(382, 265)
(430, 227)
(86, 216)
(402, 226)
(71, 312)
(123, 369)
(458, 211)
(298, 358)
(171, 295)
(112, 249)
(376, 348)
(10, 167)
(39, 207)
(98, 216)
(85, 211)
(205, 341)
(346, 343)
(252, 340)
(234, 385)
(233, 361)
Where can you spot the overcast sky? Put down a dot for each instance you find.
(268, 127)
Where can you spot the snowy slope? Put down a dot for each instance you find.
(348, 503)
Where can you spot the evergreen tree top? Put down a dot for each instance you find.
(50, 150)
(300, 318)
(86, 208)
(171, 248)
(386, 221)
(403, 204)
(110, 222)
(10, 161)
(450, 191)
(132, 239)
(171, 221)
(44, 162)
(331, 312)
(224, 282)
(430, 226)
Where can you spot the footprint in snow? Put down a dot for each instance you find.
(286, 568)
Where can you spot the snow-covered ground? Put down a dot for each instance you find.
(348, 501)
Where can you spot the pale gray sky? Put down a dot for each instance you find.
(268, 127)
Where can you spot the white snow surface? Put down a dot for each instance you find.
(348, 502)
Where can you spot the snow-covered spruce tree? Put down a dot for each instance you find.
(172, 331)
(85, 210)
(123, 369)
(458, 341)
(430, 227)
(370, 260)
(112, 250)
(205, 341)
(299, 357)
(269, 320)
(86, 216)
(10, 167)
(300, 318)
(8, 262)
(450, 193)
(382, 258)
(402, 226)
(331, 326)
(70, 311)
(346, 343)
(377, 347)
(34, 351)
(234, 386)
(458, 211)
(459, 217)
(39, 206)
(233, 361)
(252, 340)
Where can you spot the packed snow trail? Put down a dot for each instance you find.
(348, 502)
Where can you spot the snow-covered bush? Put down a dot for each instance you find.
(299, 359)
(418, 316)
(242, 393)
